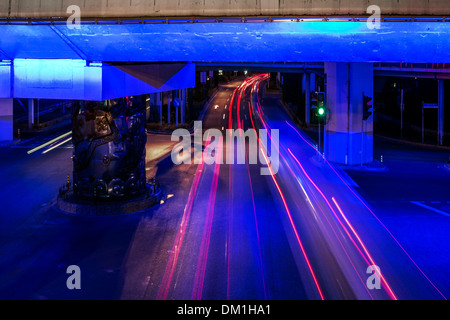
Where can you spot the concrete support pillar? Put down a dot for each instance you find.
(169, 102)
(441, 111)
(307, 81)
(37, 105)
(349, 138)
(176, 94)
(148, 101)
(30, 113)
(190, 102)
(273, 80)
(183, 105)
(312, 82)
(160, 104)
(6, 119)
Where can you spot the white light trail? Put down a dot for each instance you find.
(56, 146)
(50, 142)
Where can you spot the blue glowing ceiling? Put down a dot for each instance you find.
(232, 42)
(34, 42)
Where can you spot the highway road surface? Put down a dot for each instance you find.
(226, 231)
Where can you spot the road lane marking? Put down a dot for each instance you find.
(431, 208)
(224, 116)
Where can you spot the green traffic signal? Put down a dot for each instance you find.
(321, 111)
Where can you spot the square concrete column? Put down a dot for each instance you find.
(6, 119)
(307, 89)
(148, 101)
(312, 82)
(183, 105)
(169, 102)
(159, 98)
(30, 113)
(348, 138)
(441, 100)
(176, 94)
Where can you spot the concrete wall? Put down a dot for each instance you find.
(6, 119)
(219, 8)
(5, 81)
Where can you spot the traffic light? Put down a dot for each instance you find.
(320, 99)
(321, 112)
(366, 107)
(313, 101)
(320, 109)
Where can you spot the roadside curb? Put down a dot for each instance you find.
(446, 166)
(9, 143)
(375, 166)
(293, 116)
(419, 144)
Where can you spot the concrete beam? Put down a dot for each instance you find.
(79, 80)
(260, 67)
(414, 74)
(218, 8)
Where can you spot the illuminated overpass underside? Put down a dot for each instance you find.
(418, 42)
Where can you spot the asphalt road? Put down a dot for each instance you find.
(231, 244)
(412, 198)
(226, 232)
